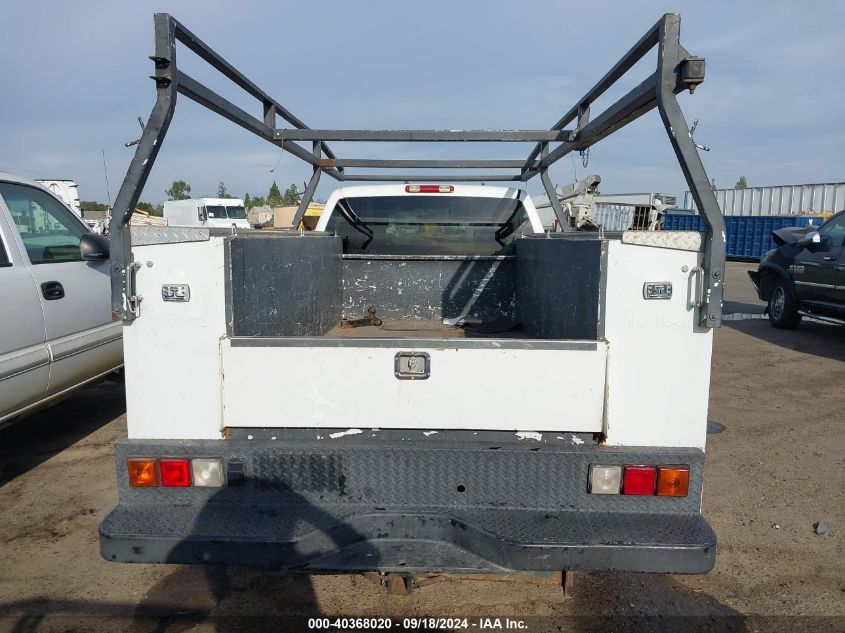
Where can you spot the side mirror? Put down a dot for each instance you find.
(94, 247)
(202, 214)
(810, 239)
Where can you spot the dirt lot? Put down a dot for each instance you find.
(775, 470)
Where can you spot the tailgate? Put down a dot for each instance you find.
(490, 384)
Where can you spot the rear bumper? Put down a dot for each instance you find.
(459, 504)
(422, 541)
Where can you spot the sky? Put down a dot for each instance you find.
(76, 74)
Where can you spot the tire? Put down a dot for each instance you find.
(783, 307)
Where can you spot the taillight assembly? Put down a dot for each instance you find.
(429, 189)
(639, 479)
(149, 472)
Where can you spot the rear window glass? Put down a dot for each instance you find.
(428, 225)
(4, 258)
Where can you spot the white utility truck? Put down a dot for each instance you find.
(453, 389)
(219, 213)
(65, 190)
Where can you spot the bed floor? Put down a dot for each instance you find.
(396, 328)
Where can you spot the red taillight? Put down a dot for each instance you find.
(638, 480)
(429, 189)
(175, 473)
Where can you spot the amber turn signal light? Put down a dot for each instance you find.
(672, 481)
(143, 473)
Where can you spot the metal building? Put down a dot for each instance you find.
(811, 199)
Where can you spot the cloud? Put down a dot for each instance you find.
(770, 107)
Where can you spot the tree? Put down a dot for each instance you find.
(275, 196)
(742, 183)
(179, 190)
(89, 206)
(222, 192)
(157, 210)
(291, 196)
(246, 200)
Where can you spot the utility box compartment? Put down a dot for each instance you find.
(469, 384)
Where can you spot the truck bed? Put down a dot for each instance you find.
(397, 328)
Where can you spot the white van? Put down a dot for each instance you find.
(206, 212)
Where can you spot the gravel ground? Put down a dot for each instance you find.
(775, 470)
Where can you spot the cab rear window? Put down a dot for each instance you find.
(428, 224)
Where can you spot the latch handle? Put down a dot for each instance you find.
(696, 287)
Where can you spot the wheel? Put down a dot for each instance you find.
(783, 307)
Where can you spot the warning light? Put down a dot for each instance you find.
(143, 473)
(429, 189)
(672, 481)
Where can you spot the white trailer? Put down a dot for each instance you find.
(452, 388)
(206, 212)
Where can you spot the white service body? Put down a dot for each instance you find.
(646, 383)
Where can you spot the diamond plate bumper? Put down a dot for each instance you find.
(462, 503)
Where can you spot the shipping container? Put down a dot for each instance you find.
(747, 237)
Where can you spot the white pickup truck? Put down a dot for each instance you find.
(448, 388)
(56, 327)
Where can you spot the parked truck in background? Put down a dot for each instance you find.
(206, 212)
(65, 190)
(454, 389)
(804, 275)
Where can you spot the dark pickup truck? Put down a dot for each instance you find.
(805, 274)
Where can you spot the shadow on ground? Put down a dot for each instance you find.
(742, 307)
(811, 337)
(38, 437)
(234, 599)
